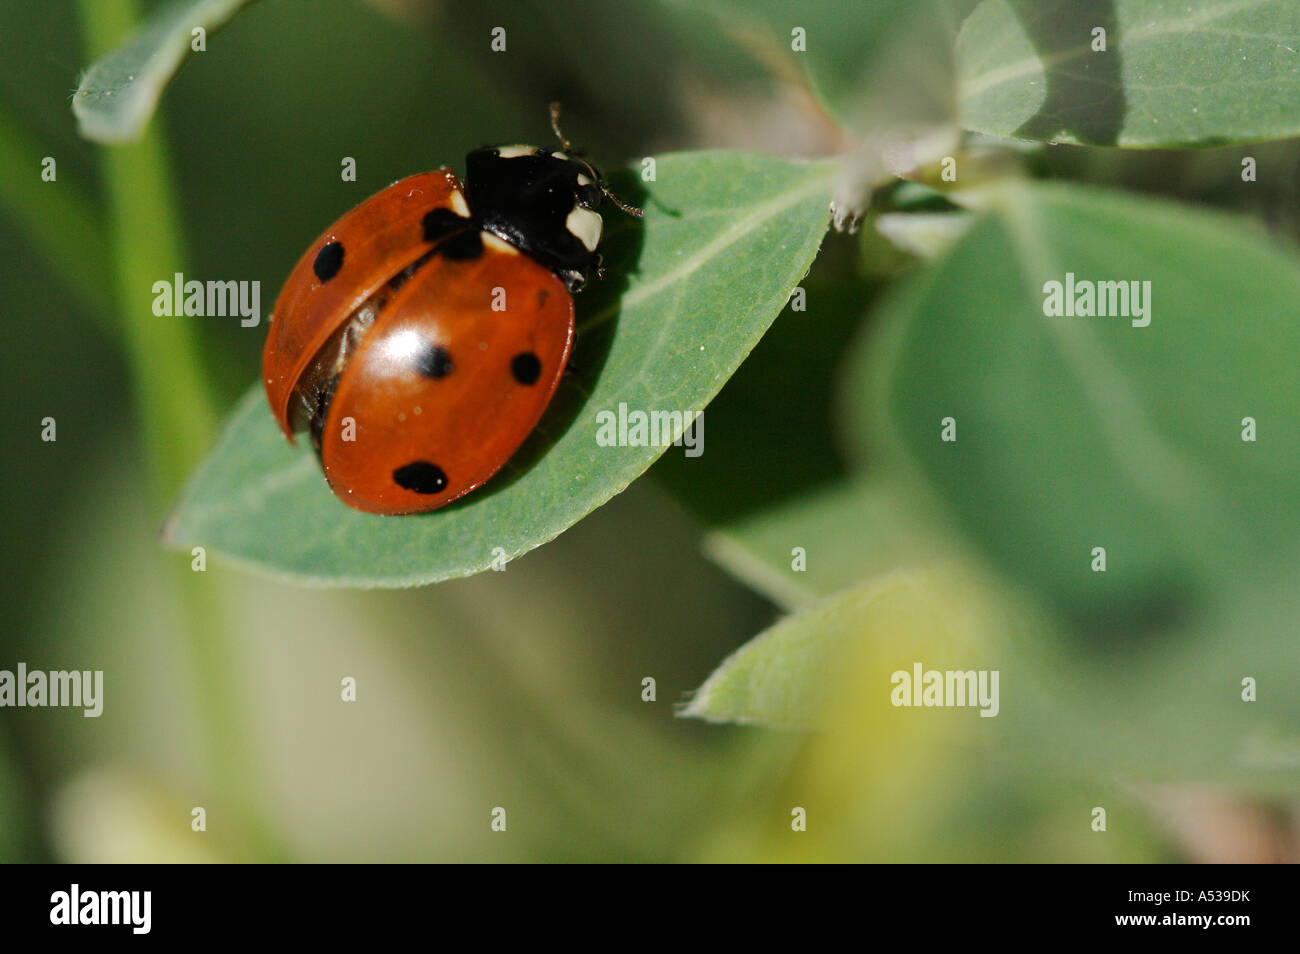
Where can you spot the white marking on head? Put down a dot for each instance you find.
(498, 243)
(583, 180)
(459, 205)
(514, 152)
(560, 155)
(585, 226)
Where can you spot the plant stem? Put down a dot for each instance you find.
(177, 423)
(59, 220)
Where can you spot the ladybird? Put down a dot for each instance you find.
(420, 338)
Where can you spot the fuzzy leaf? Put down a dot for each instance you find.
(120, 92)
(1129, 433)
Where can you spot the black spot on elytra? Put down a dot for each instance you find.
(526, 368)
(542, 295)
(328, 261)
(421, 477)
(441, 223)
(463, 247)
(433, 362)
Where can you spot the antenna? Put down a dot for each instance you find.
(564, 145)
(555, 125)
(629, 209)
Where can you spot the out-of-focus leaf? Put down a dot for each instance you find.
(1170, 707)
(119, 93)
(1173, 72)
(827, 541)
(923, 233)
(1080, 432)
(868, 62)
(769, 443)
(784, 677)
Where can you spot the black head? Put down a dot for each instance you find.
(541, 201)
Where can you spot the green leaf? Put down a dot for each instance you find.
(1168, 707)
(841, 651)
(119, 93)
(879, 62)
(1174, 72)
(848, 532)
(868, 63)
(725, 238)
(1083, 432)
(924, 234)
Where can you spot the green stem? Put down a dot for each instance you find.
(177, 421)
(170, 386)
(58, 219)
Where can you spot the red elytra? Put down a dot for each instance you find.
(422, 336)
(467, 423)
(383, 237)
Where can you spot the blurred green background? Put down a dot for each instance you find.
(520, 689)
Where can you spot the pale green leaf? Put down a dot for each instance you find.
(1173, 72)
(826, 541)
(119, 93)
(925, 234)
(842, 651)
